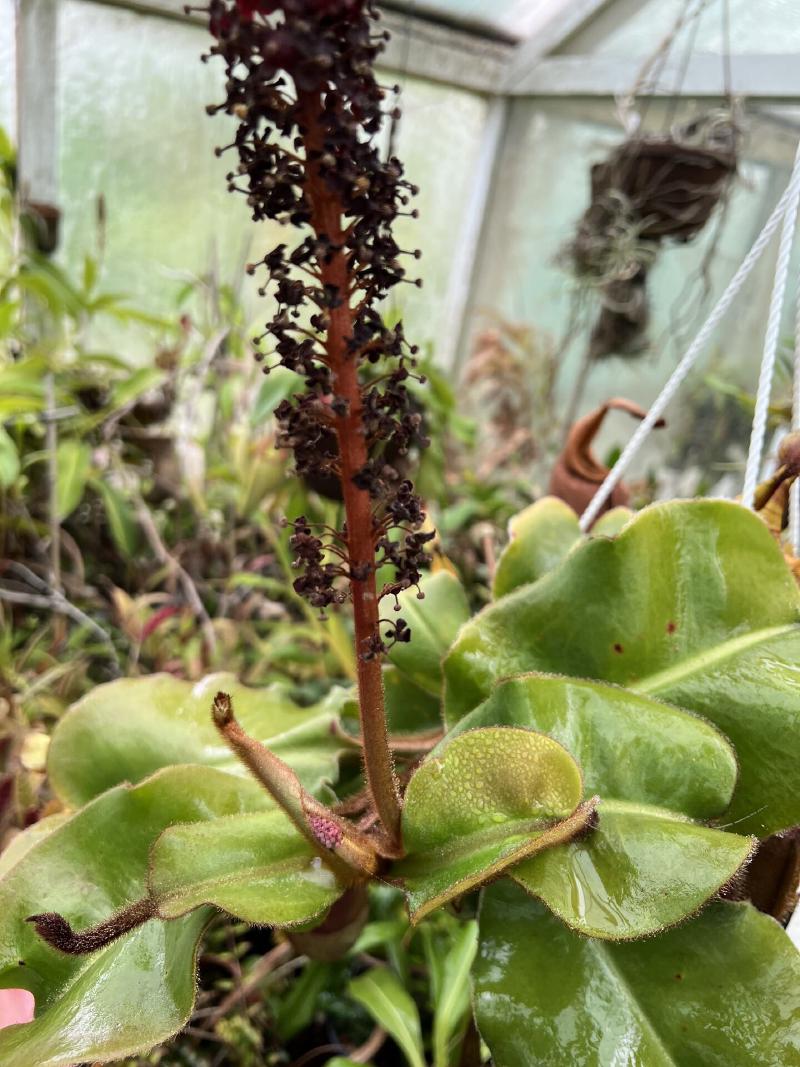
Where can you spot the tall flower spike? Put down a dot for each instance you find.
(300, 81)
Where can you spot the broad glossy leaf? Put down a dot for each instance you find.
(611, 522)
(540, 536)
(434, 623)
(409, 709)
(86, 869)
(382, 994)
(127, 729)
(258, 867)
(73, 463)
(720, 991)
(628, 746)
(690, 603)
(640, 870)
(645, 866)
(23, 842)
(485, 800)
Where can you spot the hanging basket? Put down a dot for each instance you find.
(649, 188)
(671, 187)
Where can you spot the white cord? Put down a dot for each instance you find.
(695, 349)
(767, 372)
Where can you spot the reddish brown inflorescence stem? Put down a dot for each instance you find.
(301, 84)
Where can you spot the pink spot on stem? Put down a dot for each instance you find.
(326, 831)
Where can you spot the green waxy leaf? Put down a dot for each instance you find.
(73, 463)
(611, 522)
(721, 990)
(645, 866)
(540, 536)
(692, 603)
(258, 867)
(9, 460)
(86, 869)
(639, 871)
(628, 746)
(486, 800)
(127, 729)
(434, 623)
(382, 994)
(409, 709)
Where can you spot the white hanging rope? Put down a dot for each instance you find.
(692, 353)
(767, 372)
(794, 492)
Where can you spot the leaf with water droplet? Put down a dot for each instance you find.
(646, 865)
(485, 800)
(692, 603)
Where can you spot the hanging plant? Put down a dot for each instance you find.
(649, 189)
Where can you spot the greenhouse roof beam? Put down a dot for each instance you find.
(763, 77)
(37, 125)
(419, 46)
(563, 19)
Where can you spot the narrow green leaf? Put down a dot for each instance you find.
(485, 800)
(73, 463)
(9, 460)
(452, 1004)
(297, 1008)
(718, 991)
(539, 538)
(134, 385)
(258, 867)
(121, 519)
(434, 623)
(383, 995)
(125, 730)
(692, 602)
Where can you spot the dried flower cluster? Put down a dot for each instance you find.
(301, 84)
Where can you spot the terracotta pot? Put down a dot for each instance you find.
(578, 472)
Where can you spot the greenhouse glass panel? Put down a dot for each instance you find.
(135, 85)
(439, 141)
(7, 65)
(630, 28)
(523, 279)
(508, 17)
